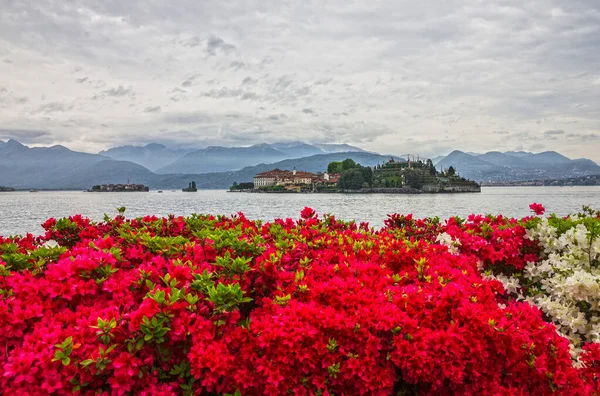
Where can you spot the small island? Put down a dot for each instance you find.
(191, 187)
(6, 189)
(395, 176)
(119, 188)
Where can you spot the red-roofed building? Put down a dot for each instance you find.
(278, 177)
(294, 178)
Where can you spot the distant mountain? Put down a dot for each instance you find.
(315, 163)
(152, 156)
(469, 166)
(496, 166)
(221, 159)
(161, 159)
(57, 167)
(298, 149)
(338, 148)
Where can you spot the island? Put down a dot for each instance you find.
(6, 189)
(119, 188)
(395, 176)
(191, 187)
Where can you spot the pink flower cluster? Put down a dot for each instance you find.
(316, 306)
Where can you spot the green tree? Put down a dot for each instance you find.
(349, 163)
(367, 174)
(334, 167)
(431, 167)
(413, 179)
(451, 171)
(351, 180)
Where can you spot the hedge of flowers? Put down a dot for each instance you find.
(226, 305)
(565, 282)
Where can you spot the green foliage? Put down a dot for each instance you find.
(242, 186)
(104, 330)
(334, 167)
(64, 350)
(348, 164)
(154, 329)
(341, 167)
(35, 260)
(451, 171)
(233, 266)
(413, 178)
(351, 180)
(367, 174)
(278, 188)
(226, 298)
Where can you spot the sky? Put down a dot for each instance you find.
(393, 76)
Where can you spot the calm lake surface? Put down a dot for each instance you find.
(22, 212)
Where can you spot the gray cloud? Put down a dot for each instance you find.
(553, 134)
(152, 109)
(237, 65)
(223, 92)
(54, 107)
(215, 44)
(378, 73)
(26, 136)
(248, 80)
(119, 91)
(249, 96)
(584, 137)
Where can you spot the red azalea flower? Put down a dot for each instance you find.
(307, 213)
(537, 208)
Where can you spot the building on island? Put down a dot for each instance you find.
(293, 180)
(420, 175)
(119, 188)
(410, 176)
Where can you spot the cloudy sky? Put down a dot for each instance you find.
(390, 76)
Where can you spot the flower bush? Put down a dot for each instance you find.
(565, 282)
(317, 306)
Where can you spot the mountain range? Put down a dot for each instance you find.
(495, 166)
(161, 167)
(160, 159)
(57, 167)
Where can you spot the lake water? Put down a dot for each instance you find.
(22, 212)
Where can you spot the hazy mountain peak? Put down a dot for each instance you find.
(457, 152)
(14, 143)
(155, 146)
(59, 147)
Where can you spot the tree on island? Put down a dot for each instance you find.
(432, 170)
(334, 167)
(242, 186)
(351, 180)
(413, 179)
(451, 171)
(353, 175)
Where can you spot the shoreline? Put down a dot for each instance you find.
(403, 191)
